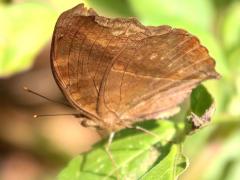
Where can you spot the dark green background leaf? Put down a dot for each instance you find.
(201, 100)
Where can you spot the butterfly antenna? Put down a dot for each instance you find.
(44, 97)
(46, 115)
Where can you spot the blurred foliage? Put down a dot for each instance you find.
(111, 8)
(23, 33)
(27, 26)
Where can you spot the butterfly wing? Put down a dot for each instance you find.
(118, 65)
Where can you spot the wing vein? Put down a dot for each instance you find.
(99, 35)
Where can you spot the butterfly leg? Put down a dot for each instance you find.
(107, 148)
(150, 133)
(147, 131)
(141, 129)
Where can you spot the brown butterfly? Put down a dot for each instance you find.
(116, 72)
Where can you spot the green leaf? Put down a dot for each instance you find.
(172, 166)
(201, 100)
(134, 152)
(25, 29)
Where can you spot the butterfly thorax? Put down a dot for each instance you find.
(111, 122)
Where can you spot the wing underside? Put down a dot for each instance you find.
(119, 65)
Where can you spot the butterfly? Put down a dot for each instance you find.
(116, 72)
